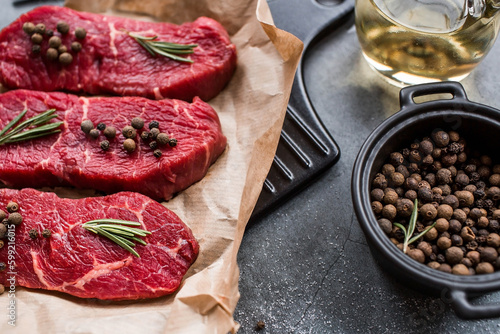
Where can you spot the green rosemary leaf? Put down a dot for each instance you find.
(142, 242)
(113, 221)
(166, 49)
(14, 121)
(411, 226)
(415, 238)
(401, 227)
(119, 241)
(29, 137)
(117, 231)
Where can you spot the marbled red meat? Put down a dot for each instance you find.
(81, 263)
(72, 158)
(111, 62)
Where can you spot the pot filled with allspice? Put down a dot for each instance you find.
(426, 192)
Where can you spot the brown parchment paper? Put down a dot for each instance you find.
(251, 108)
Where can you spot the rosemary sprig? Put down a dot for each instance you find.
(411, 228)
(118, 231)
(36, 126)
(166, 49)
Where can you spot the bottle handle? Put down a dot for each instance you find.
(464, 309)
(407, 94)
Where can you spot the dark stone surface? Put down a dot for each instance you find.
(305, 267)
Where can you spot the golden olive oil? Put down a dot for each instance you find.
(414, 41)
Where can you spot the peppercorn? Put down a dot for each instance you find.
(36, 38)
(442, 225)
(377, 194)
(444, 243)
(3, 230)
(483, 222)
(417, 255)
(154, 124)
(2, 243)
(380, 182)
(3, 266)
(403, 170)
(40, 29)
(445, 211)
(12, 207)
(493, 240)
(260, 325)
(76, 46)
(94, 133)
(153, 145)
(36, 49)
(460, 269)
(163, 139)
(426, 147)
(389, 211)
(466, 262)
(62, 27)
(462, 157)
(488, 254)
(86, 126)
(445, 268)
(157, 153)
(65, 58)
(145, 135)
(80, 33)
(129, 145)
(467, 234)
(395, 179)
(390, 196)
(54, 42)
(449, 159)
(29, 28)
(484, 268)
(52, 54)
(46, 233)
(474, 256)
(454, 255)
(456, 240)
(33, 234)
(15, 218)
(440, 138)
(404, 207)
(104, 145)
(101, 126)
(452, 201)
(411, 183)
(432, 234)
(396, 159)
(434, 265)
(385, 224)
(493, 193)
(462, 179)
(154, 133)
(428, 211)
(137, 123)
(62, 49)
(109, 132)
(425, 247)
(465, 198)
(129, 132)
(2, 215)
(411, 195)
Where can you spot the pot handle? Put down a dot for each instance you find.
(407, 94)
(464, 309)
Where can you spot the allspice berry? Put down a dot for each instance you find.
(389, 211)
(80, 33)
(109, 132)
(444, 243)
(62, 27)
(417, 255)
(12, 206)
(467, 234)
(137, 123)
(425, 247)
(94, 133)
(397, 179)
(65, 58)
(29, 28)
(86, 126)
(40, 29)
(484, 268)
(488, 254)
(474, 256)
(390, 196)
(404, 207)
(465, 198)
(445, 211)
(442, 225)
(441, 138)
(55, 42)
(428, 211)
(432, 234)
(460, 269)
(76, 46)
(454, 255)
(129, 145)
(15, 218)
(36, 38)
(493, 240)
(52, 54)
(385, 224)
(129, 132)
(376, 194)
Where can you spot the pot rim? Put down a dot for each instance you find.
(459, 106)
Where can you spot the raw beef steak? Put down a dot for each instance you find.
(74, 158)
(112, 62)
(75, 261)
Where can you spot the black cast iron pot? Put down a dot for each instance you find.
(480, 125)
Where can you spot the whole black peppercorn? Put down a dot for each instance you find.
(46, 233)
(172, 142)
(15, 218)
(104, 145)
(154, 124)
(40, 29)
(110, 132)
(137, 123)
(29, 28)
(36, 38)
(12, 207)
(54, 42)
(94, 133)
(86, 126)
(129, 132)
(153, 145)
(80, 33)
(145, 135)
(49, 32)
(157, 153)
(76, 46)
(65, 58)
(33, 234)
(129, 145)
(101, 126)
(441, 138)
(154, 133)
(62, 27)
(3, 266)
(456, 240)
(52, 54)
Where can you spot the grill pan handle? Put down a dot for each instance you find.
(464, 309)
(407, 94)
